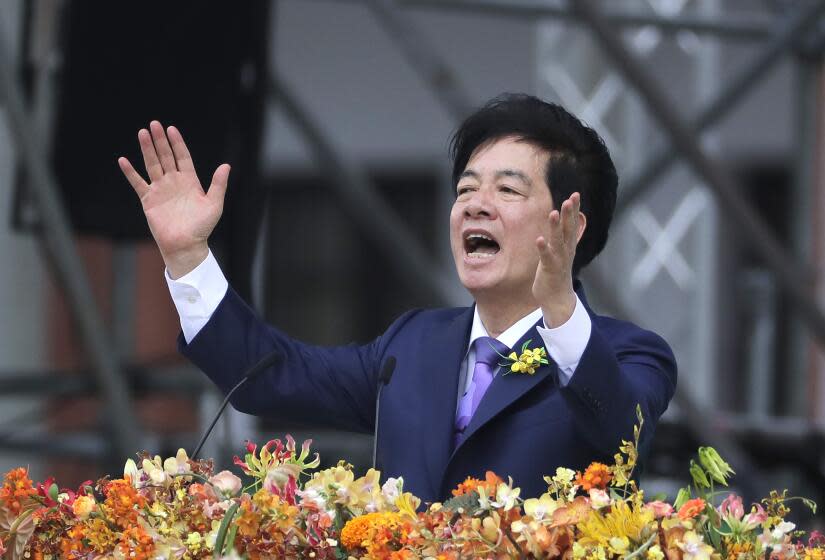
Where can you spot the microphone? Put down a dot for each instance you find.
(383, 379)
(262, 364)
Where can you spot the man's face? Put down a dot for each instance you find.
(503, 205)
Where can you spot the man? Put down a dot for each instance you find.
(535, 192)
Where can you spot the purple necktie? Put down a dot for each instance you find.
(487, 352)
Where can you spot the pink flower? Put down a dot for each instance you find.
(660, 509)
(226, 482)
(732, 507)
(757, 516)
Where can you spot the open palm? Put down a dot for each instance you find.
(181, 216)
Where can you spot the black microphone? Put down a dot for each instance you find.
(383, 379)
(263, 364)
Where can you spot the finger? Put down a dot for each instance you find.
(217, 190)
(179, 149)
(571, 219)
(545, 254)
(167, 158)
(134, 178)
(555, 239)
(150, 156)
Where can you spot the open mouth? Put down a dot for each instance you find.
(480, 245)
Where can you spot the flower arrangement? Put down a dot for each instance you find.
(178, 508)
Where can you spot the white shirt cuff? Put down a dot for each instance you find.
(196, 295)
(566, 343)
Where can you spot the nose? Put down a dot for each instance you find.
(480, 204)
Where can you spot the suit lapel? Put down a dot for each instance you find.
(506, 389)
(440, 365)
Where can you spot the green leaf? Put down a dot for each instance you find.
(230, 539)
(810, 503)
(221, 537)
(54, 491)
(468, 502)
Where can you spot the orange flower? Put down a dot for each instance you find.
(597, 475)
(71, 545)
(361, 530)
(470, 484)
(16, 489)
(123, 502)
(136, 544)
(691, 508)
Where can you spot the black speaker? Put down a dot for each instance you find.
(200, 65)
(190, 63)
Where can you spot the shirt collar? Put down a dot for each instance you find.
(510, 336)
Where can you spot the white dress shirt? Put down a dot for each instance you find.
(197, 294)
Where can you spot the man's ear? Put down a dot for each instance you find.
(581, 227)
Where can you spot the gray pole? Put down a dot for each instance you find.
(741, 30)
(57, 240)
(378, 220)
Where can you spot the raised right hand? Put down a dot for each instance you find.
(180, 214)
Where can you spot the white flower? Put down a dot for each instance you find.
(392, 488)
(130, 471)
(506, 496)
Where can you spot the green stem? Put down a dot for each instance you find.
(639, 551)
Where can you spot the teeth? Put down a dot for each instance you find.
(481, 255)
(479, 236)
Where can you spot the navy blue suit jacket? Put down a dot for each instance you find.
(525, 426)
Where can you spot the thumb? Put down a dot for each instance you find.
(217, 189)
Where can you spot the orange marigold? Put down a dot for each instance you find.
(597, 475)
(359, 531)
(17, 488)
(691, 508)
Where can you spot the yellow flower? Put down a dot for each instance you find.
(194, 541)
(634, 523)
(618, 545)
(407, 504)
(540, 508)
(654, 553)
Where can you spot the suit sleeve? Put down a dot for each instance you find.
(620, 368)
(322, 385)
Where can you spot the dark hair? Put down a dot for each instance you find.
(579, 160)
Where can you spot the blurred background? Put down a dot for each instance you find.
(335, 116)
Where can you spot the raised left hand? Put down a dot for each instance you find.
(553, 285)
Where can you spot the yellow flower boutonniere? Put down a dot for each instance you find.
(527, 362)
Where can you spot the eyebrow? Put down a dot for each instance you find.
(500, 173)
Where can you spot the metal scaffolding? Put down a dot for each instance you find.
(772, 39)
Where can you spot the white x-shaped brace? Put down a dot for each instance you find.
(663, 242)
(593, 108)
